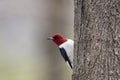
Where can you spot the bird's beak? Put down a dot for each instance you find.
(49, 38)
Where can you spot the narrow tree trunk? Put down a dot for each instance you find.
(97, 40)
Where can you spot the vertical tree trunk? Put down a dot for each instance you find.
(97, 40)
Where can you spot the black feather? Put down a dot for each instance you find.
(65, 56)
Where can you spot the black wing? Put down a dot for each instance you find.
(65, 56)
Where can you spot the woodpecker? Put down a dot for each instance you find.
(65, 46)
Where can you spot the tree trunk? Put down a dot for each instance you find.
(97, 40)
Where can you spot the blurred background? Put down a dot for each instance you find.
(25, 52)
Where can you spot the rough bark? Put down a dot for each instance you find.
(97, 40)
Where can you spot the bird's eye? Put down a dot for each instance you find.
(56, 37)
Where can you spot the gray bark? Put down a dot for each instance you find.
(97, 40)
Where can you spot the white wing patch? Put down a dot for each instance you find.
(68, 46)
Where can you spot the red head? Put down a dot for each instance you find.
(57, 38)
